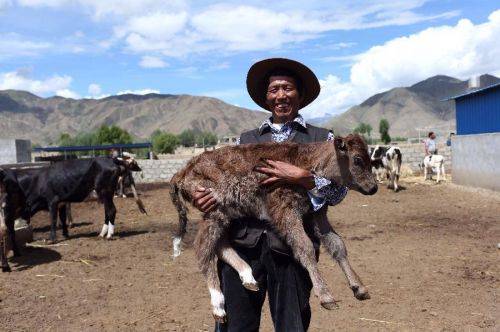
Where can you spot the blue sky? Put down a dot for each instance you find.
(94, 48)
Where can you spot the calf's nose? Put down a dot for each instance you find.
(373, 190)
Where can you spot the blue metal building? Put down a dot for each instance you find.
(478, 112)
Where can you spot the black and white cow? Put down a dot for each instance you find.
(24, 192)
(390, 158)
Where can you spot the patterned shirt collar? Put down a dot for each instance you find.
(268, 123)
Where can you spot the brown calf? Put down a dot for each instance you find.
(229, 172)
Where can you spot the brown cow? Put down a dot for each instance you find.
(229, 172)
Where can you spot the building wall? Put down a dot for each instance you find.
(479, 113)
(476, 160)
(14, 151)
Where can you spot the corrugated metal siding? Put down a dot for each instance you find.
(479, 113)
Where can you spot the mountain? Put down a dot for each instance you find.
(25, 115)
(409, 109)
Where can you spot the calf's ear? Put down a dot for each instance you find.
(340, 144)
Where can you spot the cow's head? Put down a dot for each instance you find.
(354, 164)
(129, 162)
(377, 152)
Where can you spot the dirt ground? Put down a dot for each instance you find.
(428, 255)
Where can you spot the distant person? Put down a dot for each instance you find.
(430, 144)
(448, 141)
(114, 153)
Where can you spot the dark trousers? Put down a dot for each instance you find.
(287, 283)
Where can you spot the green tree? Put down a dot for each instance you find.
(112, 135)
(206, 139)
(383, 129)
(362, 129)
(65, 139)
(164, 142)
(187, 138)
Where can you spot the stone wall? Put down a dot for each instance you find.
(158, 170)
(476, 160)
(13, 151)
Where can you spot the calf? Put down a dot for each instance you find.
(25, 192)
(229, 171)
(377, 167)
(434, 162)
(391, 159)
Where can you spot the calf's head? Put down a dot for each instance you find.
(354, 164)
(129, 163)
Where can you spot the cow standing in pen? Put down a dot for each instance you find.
(230, 172)
(391, 159)
(25, 192)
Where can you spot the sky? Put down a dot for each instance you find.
(97, 48)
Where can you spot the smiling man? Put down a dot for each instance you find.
(283, 87)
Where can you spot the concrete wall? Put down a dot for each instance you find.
(158, 170)
(14, 151)
(476, 160)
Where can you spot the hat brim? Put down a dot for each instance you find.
(257, 84)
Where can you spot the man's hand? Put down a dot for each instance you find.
(284, 173)
(204, 200)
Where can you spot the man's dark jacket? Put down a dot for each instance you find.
(246, 232)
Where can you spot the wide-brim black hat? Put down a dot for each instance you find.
(257, 80)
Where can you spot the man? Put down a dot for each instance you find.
(430, 144)
(283, 87)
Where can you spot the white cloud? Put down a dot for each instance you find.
(179, 28)
(66, 93)
(55, 85)
(152, 62)
(94, 89)
(462, 50)
(13, 45)
(138, 92)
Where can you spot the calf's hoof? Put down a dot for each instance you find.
(220, 317)
(254, 287)
(332, 305)
(361, 293)
(6, 269)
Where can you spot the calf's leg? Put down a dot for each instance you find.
(336, 248)
(3, 244)
(9, 223)
(110, 214)
(216, 296)
(62, 217)
(69, 215)
(228, 255)
(53, 208)
(289, 225)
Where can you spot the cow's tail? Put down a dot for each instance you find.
(180, 205)
(138, 201)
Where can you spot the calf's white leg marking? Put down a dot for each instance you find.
(217, 301)
(176, 243)
(111, 231)
(104, 230)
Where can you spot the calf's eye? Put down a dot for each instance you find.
(358, 161)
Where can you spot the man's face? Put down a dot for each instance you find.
(283, 98)
(433, 136)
